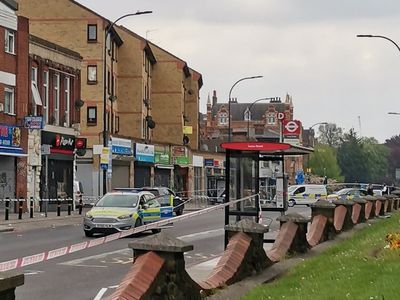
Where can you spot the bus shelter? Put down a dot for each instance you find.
(242, 180)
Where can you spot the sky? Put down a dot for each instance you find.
(305, 48)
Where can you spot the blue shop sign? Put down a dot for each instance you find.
(121, 146)
(33, 122)
(144, 153)
(10, 139)
(209, 162)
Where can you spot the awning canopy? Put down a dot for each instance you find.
(265, 148)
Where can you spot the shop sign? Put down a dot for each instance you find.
(198, 161)
(33, 122)
(10, 136)
(187, 130)
(60, 143)
(105, 158)
(144, 152)
(181, 160)
(179, 154)
(161, 155)
(209, 162)
(121, 146)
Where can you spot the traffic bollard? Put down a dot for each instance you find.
(58, 207)
(7, 208)
(20, 207)
(69, 206)
(80, 204)
(31, 208)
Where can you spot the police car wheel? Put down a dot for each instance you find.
(291, 203)
(88, 233)
(138, 222)
(179, 212)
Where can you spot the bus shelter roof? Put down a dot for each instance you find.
(266, 148)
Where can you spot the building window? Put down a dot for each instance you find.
(67, 96)
(36, 99)
(223, 118)
(9, 41)
(92, 115)
(56, 98)
(45, 95)
(247, 115)
(9, 100)
(92, 32)
(92, 74)
(271, 119)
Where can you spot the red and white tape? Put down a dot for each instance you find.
(47, 255)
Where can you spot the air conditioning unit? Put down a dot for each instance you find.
(1, 107)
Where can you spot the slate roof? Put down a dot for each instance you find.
(238, 109)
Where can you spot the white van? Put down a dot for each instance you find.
(305, 194)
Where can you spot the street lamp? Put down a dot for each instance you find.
(379, 36)
(229, 103)
(249, 112)
(105, 129)
(311, 127)
(393, 113)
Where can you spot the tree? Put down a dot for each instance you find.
(394, 157)
(323, 162)
(330, 134)
(377, 159)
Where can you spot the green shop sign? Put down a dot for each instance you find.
(161, 156)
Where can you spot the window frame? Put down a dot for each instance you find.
(34, 80)
(89, 67)
(91, 121)
(67, 99)
(45, 86)
(9, 90)
(89, 39)
(56, 98)
(271, 116)
(7, 34)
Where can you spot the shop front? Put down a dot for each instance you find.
(215, 177)
(180, 159)
(198, 174)
(57, 175)
(122, 162)
(163, 169)
(12, 161)
(144, 162)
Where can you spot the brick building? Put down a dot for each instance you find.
(13, 100)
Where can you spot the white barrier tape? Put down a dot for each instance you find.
(37, 258)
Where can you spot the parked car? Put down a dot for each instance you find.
(123, 210)
(164, 195)
(347, 193)
(305, 194)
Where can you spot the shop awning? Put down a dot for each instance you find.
(170, 167)
(15, 154)
(36, 96)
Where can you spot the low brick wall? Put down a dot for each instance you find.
(9, 281)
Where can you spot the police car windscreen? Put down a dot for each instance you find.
(112, 200)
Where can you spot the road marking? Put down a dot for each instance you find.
(100, 293)
(201, 235)
(32, 272)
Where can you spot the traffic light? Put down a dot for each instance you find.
(80, 146)
(186, 140)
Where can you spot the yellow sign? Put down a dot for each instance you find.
(105, 156)
(187, 129)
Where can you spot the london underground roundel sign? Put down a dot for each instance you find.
(291, 127)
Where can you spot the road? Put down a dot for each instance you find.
(94, 273)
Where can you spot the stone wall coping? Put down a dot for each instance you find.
(294, 217)
(359, 200)
(161, 242)
(323, 204)
(10, 280)
(370, 198)
(344, 202)
(248, 226)
(390, 196)
(381, 198)
(396, 192)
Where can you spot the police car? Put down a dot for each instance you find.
(123, 210)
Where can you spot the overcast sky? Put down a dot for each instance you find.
(307, 48)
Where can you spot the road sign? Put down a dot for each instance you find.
(281, 116)
(291, 128)
(45, 149)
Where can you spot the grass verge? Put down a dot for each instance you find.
(357, 268)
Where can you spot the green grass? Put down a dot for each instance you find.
(357, 268)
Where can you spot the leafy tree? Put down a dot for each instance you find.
(323, 162)
(394, 157)
(376, 156)
(330, 134)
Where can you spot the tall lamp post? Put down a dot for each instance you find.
(379, 36)
(311, 127)
(105, 129)
(393, 113)
(229, 103)
(249, 112)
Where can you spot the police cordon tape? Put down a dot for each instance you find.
(51, 254)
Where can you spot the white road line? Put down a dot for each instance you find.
(202, 235)
(100, 293)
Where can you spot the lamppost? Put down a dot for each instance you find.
(105, 129)
(229, 103)
(379, 36)
(393, 113)
(249, 112)
(311, 127)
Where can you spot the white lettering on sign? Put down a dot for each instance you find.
(66, 142)
(33, 259)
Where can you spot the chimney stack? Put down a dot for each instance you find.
(214, 98)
